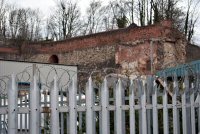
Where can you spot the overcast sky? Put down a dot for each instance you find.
(47, 5)
(43, 5)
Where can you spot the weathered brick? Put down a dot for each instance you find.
(125, 50)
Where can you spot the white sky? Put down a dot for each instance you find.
(43, 5)
(197, 34)
(46, 5)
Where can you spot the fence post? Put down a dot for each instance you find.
(105, 103)
(89, 108)
(198, 89)
(12, 106)
(34, 107)
(118, 99)
(199, 112)
(183, 98)
(54, 108)
(165, 109)
(149, 101)
(174, 103)
(143, 106)
(72, 106)
(80, 113)
(132, 107)
(155, 108)
(192, 110)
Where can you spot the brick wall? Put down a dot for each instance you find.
(91, 58)
(122, 49)
(193, 52)
(149, 56)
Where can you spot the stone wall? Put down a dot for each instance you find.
(192, 52)
(171, 53)
(140, 50)
(149, 56)
(136, 58)
(91, 58)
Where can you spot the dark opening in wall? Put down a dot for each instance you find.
(53, 59)
(148, 65)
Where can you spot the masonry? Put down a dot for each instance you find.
(133, 50)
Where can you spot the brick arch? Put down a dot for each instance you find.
(53, 59)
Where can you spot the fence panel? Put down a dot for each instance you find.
(147, 99)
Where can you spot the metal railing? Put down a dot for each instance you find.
(143, 105)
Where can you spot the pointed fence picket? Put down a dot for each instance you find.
(174, 105)
(165, 108)
(89, 108)
(105, 104)
(184, 108)
(72, 107)
(54, 108)
(34, 107)
(147, 100)
(155, 109)
(12, 108)
(132, 107)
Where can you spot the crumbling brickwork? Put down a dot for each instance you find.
(192, 52)
(138, 50)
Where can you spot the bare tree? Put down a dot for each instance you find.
(192, 16)
(65, 19)
(94, 18)
(52, 29)
(35, 23)
(24, 24)
(14, 23)
(142, 11)
(3, 18)
(109, 21)
(119, 11)
(130, 9)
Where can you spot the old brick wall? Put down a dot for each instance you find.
(135, 59)
(192, 52)
(160, 30)
(171, 53)
(149, 56)
(91, 58)
(126, 50)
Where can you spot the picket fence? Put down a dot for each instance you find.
(140, 106)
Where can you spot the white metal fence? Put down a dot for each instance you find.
(147, 105)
